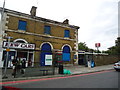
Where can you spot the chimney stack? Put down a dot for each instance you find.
(66, 21)
(33, 11)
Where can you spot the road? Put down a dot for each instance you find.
(104, 79)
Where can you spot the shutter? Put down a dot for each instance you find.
(66, 56)
(47, 29)
(67, 33)
(45, 50)
(22, 25)
(66, 53)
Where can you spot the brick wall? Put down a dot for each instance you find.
(36, 27)
(105, 59)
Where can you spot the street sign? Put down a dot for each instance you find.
(7, 50)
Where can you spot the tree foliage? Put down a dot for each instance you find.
(83, 46)
(114, 49)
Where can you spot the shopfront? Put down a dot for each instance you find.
(19, 49)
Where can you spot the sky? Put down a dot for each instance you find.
(97, 19)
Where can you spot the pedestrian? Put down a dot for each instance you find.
(14, 62)
(29, 63)
(23, 66)
(89, 63)
(19, 65)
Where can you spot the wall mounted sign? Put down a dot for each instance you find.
(17, 45)
(48, 59)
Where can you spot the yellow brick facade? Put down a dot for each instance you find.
(35, 34)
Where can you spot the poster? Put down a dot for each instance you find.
(48, 59)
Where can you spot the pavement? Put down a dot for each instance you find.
(35, 73)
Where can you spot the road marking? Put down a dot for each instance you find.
(43, 79)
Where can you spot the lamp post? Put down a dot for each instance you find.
(7, 57)
(1, 31)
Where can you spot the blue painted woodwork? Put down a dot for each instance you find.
(67, 33)
(47, 29)
(46, 50)
(66, 53)
(22, 25)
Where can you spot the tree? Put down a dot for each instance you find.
(115, 50)
(118, 45)
(112, 50)
(82, 46)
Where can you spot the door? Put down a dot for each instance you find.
(21, 54)
(45, 50)
(30, 59)
(66, 53)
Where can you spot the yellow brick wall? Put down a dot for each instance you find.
(57, 43)
(38, 28)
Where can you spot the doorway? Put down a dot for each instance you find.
(45, 50)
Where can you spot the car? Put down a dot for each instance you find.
(117, 66)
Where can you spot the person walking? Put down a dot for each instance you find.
(23, 66)
(14, 62)
(89, 63)
(19, 65)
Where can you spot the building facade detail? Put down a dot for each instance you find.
(34, 38)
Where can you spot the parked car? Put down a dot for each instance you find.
(117, 66)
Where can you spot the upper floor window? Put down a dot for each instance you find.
(47, 29)
(22, 25)
(67, 33)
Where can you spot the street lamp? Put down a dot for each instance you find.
(6, 61)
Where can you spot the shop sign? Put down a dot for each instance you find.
(97, 45)
(48, 59)
(19, 45)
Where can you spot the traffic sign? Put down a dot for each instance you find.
(7, 50)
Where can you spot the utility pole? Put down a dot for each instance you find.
(7, 57)
(3, 10)
(1, 35)
(1, 31)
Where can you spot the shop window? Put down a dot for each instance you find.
(47, 29)
(67, 33)
(22, 25)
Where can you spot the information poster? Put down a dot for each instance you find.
(48, 59)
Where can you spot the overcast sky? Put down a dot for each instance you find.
(97, 19)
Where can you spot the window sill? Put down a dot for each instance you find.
(66, 38)
(47, 34)
(21, 30)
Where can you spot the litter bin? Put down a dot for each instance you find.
(60, 69)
